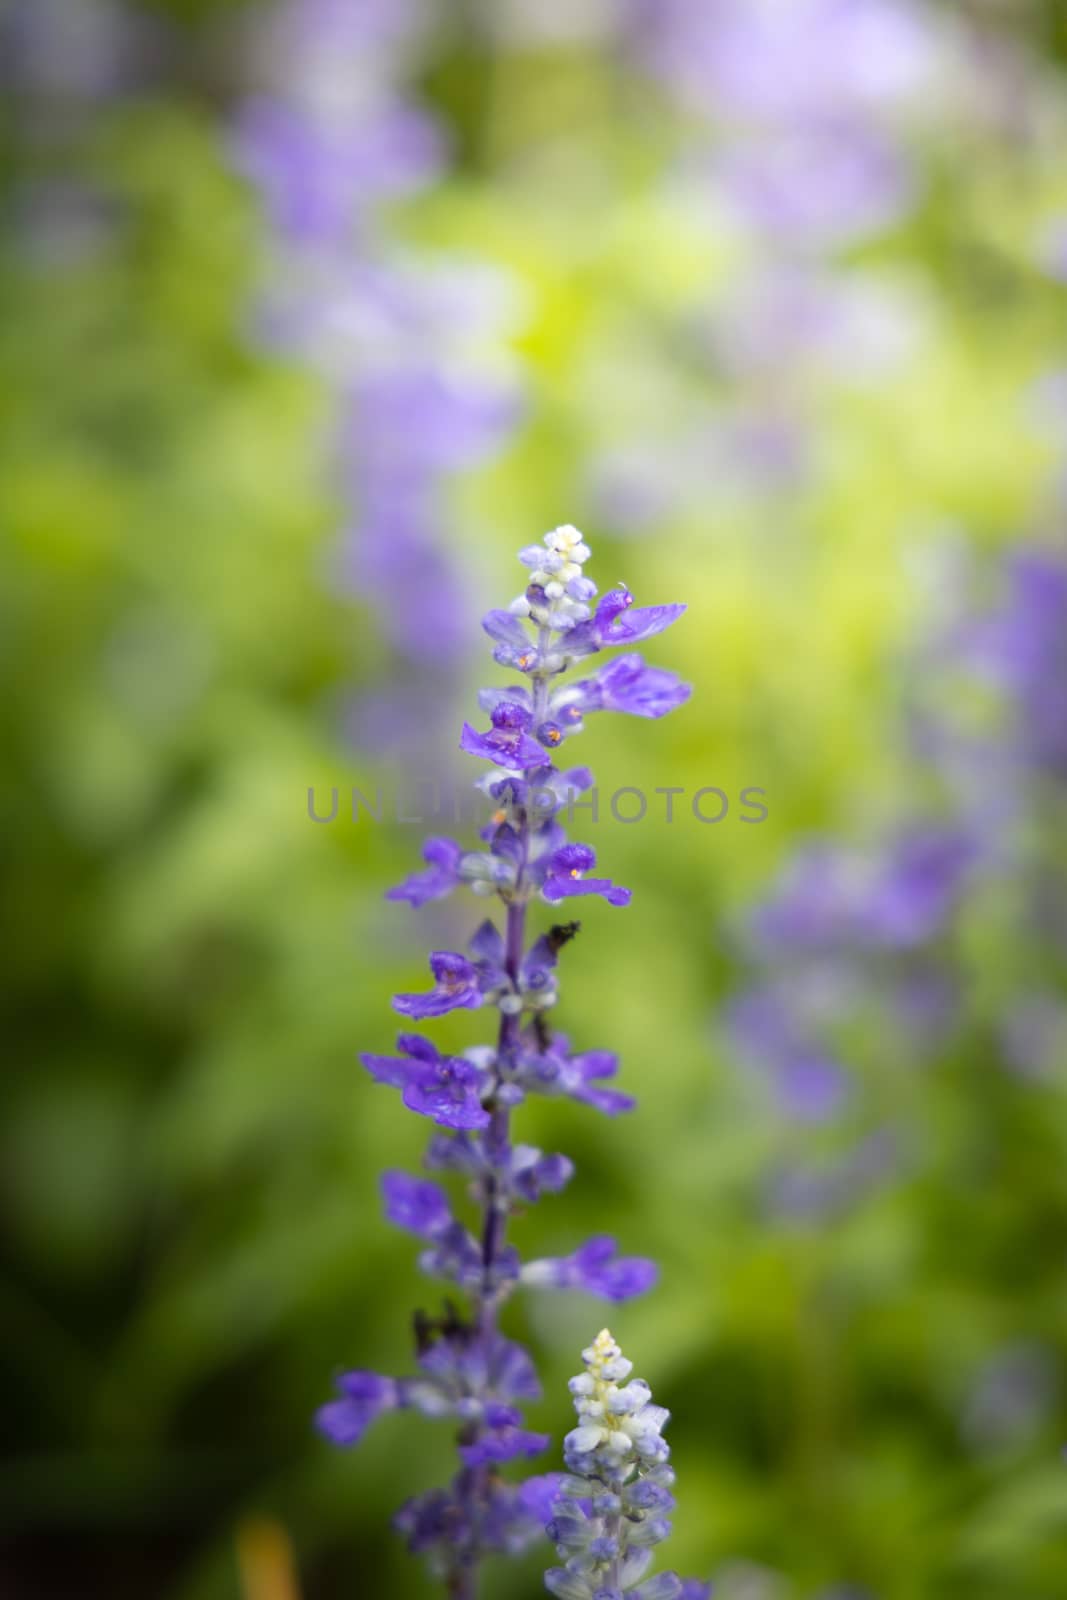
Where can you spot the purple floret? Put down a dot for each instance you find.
(457, 987)
(364, 1396)
(446, 1089)
(442, 876)
(626, 684)
(504, 746)
(561, 874)
(595, 1268)
(415, 1204)
(617, 621)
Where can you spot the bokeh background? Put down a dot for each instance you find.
(311, 317)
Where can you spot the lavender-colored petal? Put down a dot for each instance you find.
(455, 1254)
(390, 1070)
(415, 1204)
(444, 1088)
(571, 858)
(532, 1174)
(487, 944)
(556, 889)
(503, 1444)
(460, 1154)
(642, 623)
(512, 1371)
(538, 1495)
(596, 1269)
(457, 987)
(439, 1518)
(539, 962)
(517, 751)
(489, 699)
(449, 1095)
(506, 628)
(507, 842)
(417, 1045)
(611, 1102)
(423, 1006)
(567, 1585)
(511, 715)
(664, 1586)
(364, 1396)
(627, 684)
(441, 878)
(514, 647)
(577, 1076)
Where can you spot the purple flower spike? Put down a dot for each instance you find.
(466, 1371)
(457, 987)
(364, 1396)
(595, 1268)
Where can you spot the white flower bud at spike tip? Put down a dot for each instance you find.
(553, 571)
(613, 1506)
(619, 1424)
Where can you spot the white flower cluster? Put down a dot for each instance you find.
(620, 1425)
(558, 592)
(614, 1505)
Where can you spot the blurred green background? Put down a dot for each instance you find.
(189, 1149)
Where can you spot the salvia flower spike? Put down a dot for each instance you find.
(614, 1503)
(466, 1369)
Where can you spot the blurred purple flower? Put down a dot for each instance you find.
(809, 1085)
(444, 1088)
(398, 335)
(1011, 1396)
(318, 175)
(771, 62)
(817, 187)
